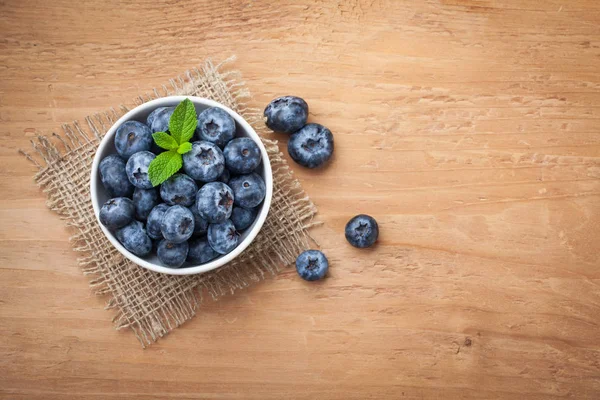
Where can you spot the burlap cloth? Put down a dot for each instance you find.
(149, 303)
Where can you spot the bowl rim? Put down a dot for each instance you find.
(197, 269)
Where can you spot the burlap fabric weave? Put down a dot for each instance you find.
(149, 303)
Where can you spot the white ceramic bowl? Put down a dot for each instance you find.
(107, 147)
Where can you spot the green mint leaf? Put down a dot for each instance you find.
(184, 147)
(164, 166)
(183, 122)
(165, 141)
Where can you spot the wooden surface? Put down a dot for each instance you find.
(469, 129)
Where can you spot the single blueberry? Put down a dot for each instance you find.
(311, 146)
(200, 224)
(225, 176)
(242, 155)
(362, 231)
(243, 217)
(200, 251)
(286, 114)
(158, 120)
(179, 189)
(137, 169)
(144, 201)
(215, 202)
(114, 178)
(312, 265)
(134, 238)
(132, 137)
(248, 190)
(205, 162)
(154, 220)
(177, 224)
(152, 116)
(117, 212)
(171, 254)
(223, 237)
(216, 125)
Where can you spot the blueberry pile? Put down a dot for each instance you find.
(197, 214)
(311, 145)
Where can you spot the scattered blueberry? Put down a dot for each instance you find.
(134, 238)
(205, 162)
(132, 137)
(362, 231)
(158, 120)
(117, 212)
(225, 176)
(311, 146)
(243, 217)
(216, 125)
(286, 114)
(171, 254)
(179, 189)
(144, 201)
(215, 202)
(248, 190)
(200, 251)
(113, 176)
(200, 224)
(137, 169)
(154, 220)
(312, 265)
(242, 155)
(223, 237)
(177, 224)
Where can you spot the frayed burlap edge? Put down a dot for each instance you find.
(149, 303)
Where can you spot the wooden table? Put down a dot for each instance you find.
(469, 129)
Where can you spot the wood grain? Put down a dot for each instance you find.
(469, 129)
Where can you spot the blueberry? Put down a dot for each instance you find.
(132, 137)
(200, 251)
(286, 114)
(248, 190)
(312, 265)
(179, 189)
(144, 201)
(223, 237)
(362, 231)
(114, 178)
(117, 212)
(311, 146)
(158, 120)
(152, 116)
(215, 202)
(154, 220)
(134, 238)
(177, 224)
(137, 169)
(171, 254)
(205, 162)
(216, 125)
(242, 155)
(200, 224)
(243, 217)
(225, 176)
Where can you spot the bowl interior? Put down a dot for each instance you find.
(100, 196)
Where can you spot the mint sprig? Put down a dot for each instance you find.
(181, 128)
